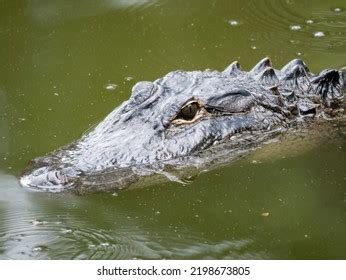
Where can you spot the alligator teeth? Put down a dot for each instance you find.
(233, 69)
(268, 77)
(288, 68)
(260, 66)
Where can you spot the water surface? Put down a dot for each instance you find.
(64, 66)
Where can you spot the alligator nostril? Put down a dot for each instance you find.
(45, 179)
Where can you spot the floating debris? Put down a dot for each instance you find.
(233, 23)
(309, 21)
(67, 230)
(37, 222)
(128, 78)
(110, 87)
(337, 10)
(265, 214)
(319, 34)
(254, 47)
(40, 248)
(295, 27)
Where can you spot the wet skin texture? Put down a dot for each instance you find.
(174, 120)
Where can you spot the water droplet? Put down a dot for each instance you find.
(110, 86)
(309, 21)
(233, 23)
(319, 34)
(295, 27)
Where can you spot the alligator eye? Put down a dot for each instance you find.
(189, 111)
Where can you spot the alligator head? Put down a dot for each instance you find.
(186, 113)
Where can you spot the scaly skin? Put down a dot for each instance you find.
(189, 119)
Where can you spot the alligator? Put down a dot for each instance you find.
(189, 120)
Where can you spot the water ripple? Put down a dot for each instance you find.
(277, 22)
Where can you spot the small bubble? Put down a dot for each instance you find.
(295, 27)
(110, 86)
(319, 34)
(233, 23)
(309, 21)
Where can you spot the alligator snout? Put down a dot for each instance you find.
(45, 178)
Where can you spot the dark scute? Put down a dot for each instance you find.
(292, 64)
(233, 69)
(268, 77)
(327, 82)
(260, 66)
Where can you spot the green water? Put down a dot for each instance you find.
(56, 60)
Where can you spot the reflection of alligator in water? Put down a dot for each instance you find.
(190, 119)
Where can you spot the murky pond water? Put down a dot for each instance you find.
(64, 66)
